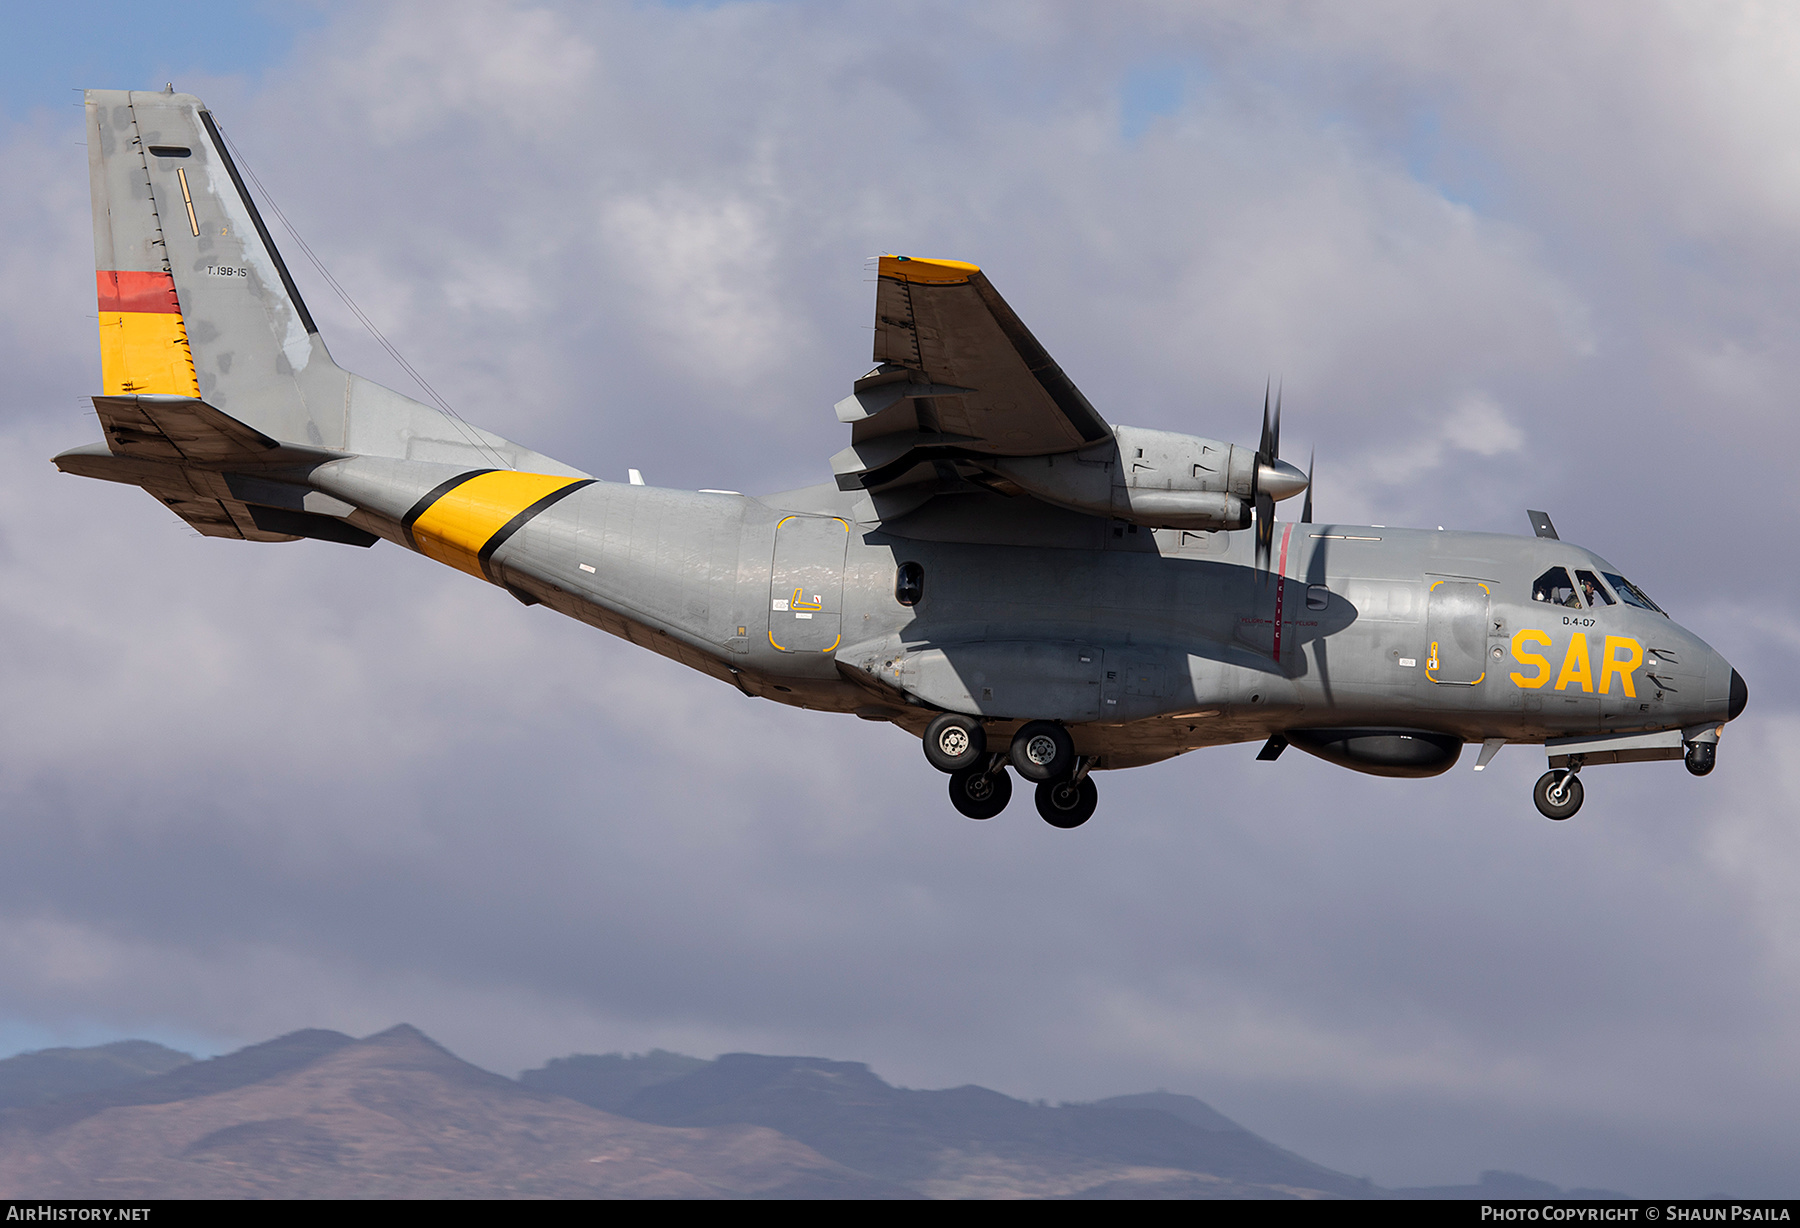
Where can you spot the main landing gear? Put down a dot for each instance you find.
(981, 793)
(1068, 802)
(1041, 752)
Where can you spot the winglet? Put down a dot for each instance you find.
(919, 269)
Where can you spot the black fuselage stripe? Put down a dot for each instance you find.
(520, 521)
(432, 496)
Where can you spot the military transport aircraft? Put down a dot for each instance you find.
(994, 567)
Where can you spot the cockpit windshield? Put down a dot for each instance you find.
(1592, 589)
(1555, 587)
(1630, 593)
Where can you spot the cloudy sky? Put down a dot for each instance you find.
(1502, 256)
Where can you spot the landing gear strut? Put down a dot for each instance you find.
(1558, 793)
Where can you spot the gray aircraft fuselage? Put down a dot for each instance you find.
(1145, 643)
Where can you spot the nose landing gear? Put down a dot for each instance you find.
(1558, 793)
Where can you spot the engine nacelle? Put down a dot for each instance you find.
(1158, 479)
(1381, 752)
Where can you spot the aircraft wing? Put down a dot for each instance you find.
(959, 374)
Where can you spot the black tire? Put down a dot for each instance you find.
(978, 794)
(1065, 804)
(1043, 750)
(1700, 758)
(1558, 794)
(954, 743)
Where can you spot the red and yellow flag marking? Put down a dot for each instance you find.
(143, 341)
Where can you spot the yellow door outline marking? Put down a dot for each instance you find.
(795, 602)
(1431, 661)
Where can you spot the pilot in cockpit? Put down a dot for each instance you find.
(1555, 588)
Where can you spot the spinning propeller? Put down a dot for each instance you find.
(1275, 479)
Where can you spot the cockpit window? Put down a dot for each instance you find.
(1555, 587)
(1630, 593)
(1592, 589)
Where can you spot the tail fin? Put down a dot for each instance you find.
(203, 332)
(194, 298)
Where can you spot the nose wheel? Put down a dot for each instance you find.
(1558, 794)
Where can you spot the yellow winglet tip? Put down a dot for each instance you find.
(921, 269)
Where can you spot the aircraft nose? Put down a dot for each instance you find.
(1740, 696)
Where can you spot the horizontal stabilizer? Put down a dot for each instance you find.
(188, 431)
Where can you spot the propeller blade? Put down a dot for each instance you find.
(1265, 451)
(1306, 509)
(1275, 435)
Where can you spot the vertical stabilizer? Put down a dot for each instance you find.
(194, 298)
(196, 303)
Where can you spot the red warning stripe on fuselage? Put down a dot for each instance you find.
(124, 290)
(1281, 588)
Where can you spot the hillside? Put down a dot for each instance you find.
(320, 1114)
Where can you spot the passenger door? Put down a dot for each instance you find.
(806, 584)
(1456, 624)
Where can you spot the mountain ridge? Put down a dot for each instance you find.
(317, 1113)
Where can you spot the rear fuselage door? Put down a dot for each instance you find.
(806, 584)
(1456, 624)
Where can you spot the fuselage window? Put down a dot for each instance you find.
(1631, 594)
(1592, 589)
(909, 584)
(1317, 596)
(1554, 587)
